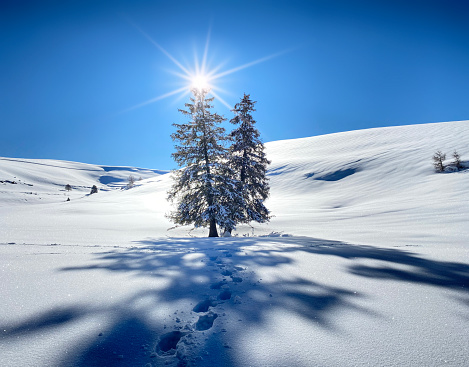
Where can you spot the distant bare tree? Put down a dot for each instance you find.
(68, 187)
(457, 160)
(130, 182)
(438, 159)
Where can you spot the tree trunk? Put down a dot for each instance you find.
(213, 229)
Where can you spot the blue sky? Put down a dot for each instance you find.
(72, 72)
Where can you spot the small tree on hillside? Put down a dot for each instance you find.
(438, 159)
(248, 160)
(68, 187)
(206, 184)
(457, 160)
(130, 182)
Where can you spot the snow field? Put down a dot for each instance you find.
(365, 262)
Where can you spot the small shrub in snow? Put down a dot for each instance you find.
(438, 159)
(94, 190)
(276, 234)
(68, 187)
(457, 161)
(130, 182)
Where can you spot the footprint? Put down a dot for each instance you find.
(226, 273)
(236, 279)
(217, 285)
(226, 294)
(227, 254)
(205, 322)
(168, 343)
(203, 306)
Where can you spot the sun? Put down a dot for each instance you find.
(200, 82)
(200, 76)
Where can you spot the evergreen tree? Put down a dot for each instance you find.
(205, 185)
(248, 160)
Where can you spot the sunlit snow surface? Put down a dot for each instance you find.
(367, 262)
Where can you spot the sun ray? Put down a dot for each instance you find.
(249, 64)
(181, 96)
(221, 90)
(171, 57)
(204, 59)
(196, 61)
(221, 99)
(214, 70)
(180, 75)
(166, 95)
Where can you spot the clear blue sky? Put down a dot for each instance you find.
(72, 71)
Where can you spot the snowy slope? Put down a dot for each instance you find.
(44, 180)
(372, 267)
(369, 184)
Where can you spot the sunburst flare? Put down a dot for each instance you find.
(199, 76)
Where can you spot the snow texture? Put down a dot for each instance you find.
(365, 262)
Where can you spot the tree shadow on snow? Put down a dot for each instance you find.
(220, 275)
(445, 274)
(40, 323)
(217, 278)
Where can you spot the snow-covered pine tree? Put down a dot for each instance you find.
(205, 185)
(248, 160)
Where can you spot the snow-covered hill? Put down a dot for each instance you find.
(376, 185)
(366, 262)
(44, 180)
